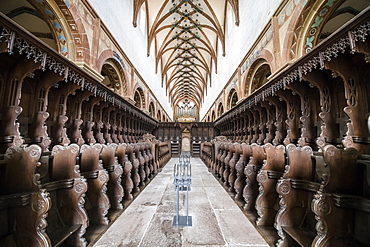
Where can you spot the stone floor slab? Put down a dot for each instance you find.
(217, 220)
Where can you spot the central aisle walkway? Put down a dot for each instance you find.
(217, 220)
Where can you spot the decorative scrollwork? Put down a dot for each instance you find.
(74, 148)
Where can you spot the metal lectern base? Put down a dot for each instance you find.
(182, 221)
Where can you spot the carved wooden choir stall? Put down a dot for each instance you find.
(301, 145)
(69, 162)
(294, 154)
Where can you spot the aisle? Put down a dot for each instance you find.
(217, 220)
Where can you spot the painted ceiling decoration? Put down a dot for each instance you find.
(186, 36)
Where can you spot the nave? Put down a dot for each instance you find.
(217, 220)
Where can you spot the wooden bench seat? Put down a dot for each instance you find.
(59, 236)
(302, 236)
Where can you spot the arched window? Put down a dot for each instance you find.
(139, 98)
(39, 20)
(329, 18)
(151, 109)
(220, 109)
(232, 99)
(111, 77)
(258, 75)
(159, 116)
(213, 116)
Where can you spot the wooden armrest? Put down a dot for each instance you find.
(256, 168)
(353, 202)
(60, 184)
(60, 234)
(15, 200)
(302, 236)
(274, 174)
(304, 185)
(91, 175)
(109, 168)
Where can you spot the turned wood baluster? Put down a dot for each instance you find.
(250, 191)
(239, 167)
(110, 163)
(97, 177)
(232, 163)
(127, 182)
(271, 171)
(222, 159)
(230, 150)
(146, 161)
(148, 152)
(135, 167)
(141, 164)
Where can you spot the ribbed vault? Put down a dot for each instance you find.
(186, 36)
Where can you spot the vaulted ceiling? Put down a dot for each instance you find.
(186, 37)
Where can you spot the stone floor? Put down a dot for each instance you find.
(216, 219)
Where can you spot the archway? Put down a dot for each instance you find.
(151, 109)
(232, 98)
(220, 109)
(185, 140)
(139, 98)
(258, 75)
